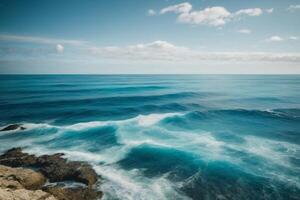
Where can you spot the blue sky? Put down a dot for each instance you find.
(135, 36)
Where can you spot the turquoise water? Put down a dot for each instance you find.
(164, 136)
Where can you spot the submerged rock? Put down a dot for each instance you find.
(55, 168)
(12, 127)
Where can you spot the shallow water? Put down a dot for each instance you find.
(164, 136)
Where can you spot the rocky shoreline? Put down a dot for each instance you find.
(47, 177)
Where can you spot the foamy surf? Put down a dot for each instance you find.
(141, 120)
(131, 185)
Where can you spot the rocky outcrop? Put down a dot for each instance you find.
(18, 178)
(55, 169)
(23, 194)
(12, 127)
(22, 184)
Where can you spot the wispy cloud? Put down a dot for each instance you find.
(157, 50)
(154, 51)
(293, 8)
(249, 11)
(212, 16)
(39, 40)
(294, 38)
(245, 31)
(151, 12)
(277, 38)
(165, 51)
(179, 8)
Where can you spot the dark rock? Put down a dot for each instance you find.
(16, 158)
(13, 127)
(77, 193)
(87, 175)
(57, 168)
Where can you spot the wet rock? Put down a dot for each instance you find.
(23, 194)
(19, 178)
(12, 127)
(86, 175)
(57, 168)
(16, 158)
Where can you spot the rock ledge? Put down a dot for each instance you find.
(52, 168)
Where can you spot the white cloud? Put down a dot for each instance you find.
(39, 40)
(59, 48)
(164, 51)
(245, 31)
(275, 38)
(293, 8)
(213, 16)
(151, 12)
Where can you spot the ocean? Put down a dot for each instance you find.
(164, 136)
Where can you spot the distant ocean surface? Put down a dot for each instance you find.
(156, 137)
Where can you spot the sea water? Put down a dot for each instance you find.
(164, 136)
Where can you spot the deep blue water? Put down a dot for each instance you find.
(164, 136)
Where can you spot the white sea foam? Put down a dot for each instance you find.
(148, 120)
(76, 154)
(31, 126)
(141, 120)
(275, 157)
(146, 141)
(131, 185)
(272, 150)
(86, 125)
